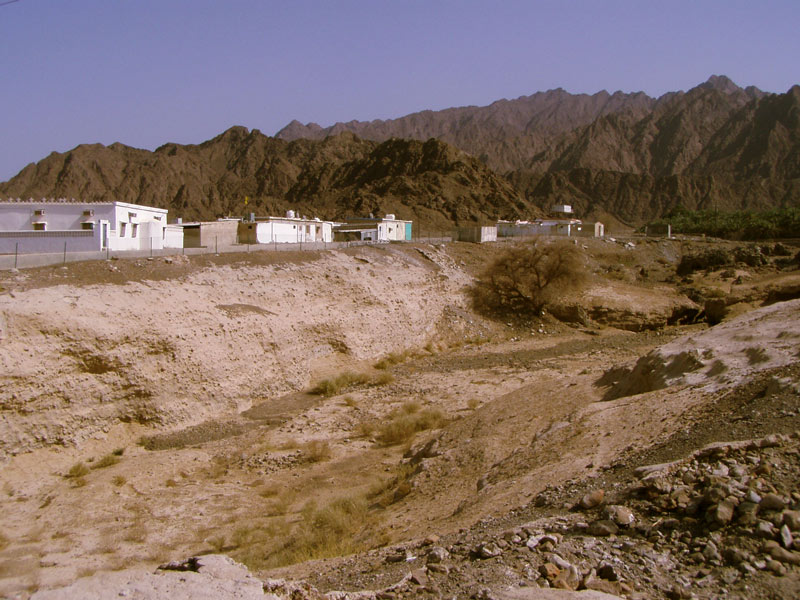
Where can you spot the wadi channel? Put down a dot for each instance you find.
(344, 424)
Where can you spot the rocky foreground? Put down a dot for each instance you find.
(723, 521)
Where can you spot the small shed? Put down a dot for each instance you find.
(210, 234)
(477, 234)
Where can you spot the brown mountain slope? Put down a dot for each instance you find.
(194, 181)
(336, 177)
(506, 134)
(431, 182)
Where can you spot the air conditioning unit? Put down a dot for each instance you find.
(39, 212)
(88, 213)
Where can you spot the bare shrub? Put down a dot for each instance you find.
(527, 278)
(316, 451)
(756, 355)
(349, 380)
(107, 461)
(118, 480)
(393, 358)
(402, 427)
(77, 470)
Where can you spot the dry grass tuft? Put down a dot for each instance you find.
(402, 427)
(107, 461)
(347, 380)
(316, 451)
(76, 471)
(393, 358)
(118, 480)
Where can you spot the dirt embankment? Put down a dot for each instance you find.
(78, 359)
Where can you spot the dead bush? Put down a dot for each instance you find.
(527, 278)
(77, 471)
(402, 427)
(316, 451)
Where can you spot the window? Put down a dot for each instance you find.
(88, 213)
(87, 225)
(39, 212)
(40, 226)
(131, 216)
(122, 227)
(134, 229)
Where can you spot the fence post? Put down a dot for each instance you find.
(16, 253)
(216, 244)
(65, 253)
(151, 247)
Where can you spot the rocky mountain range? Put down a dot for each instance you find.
(622, 157)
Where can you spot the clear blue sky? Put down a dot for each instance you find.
(145, 72)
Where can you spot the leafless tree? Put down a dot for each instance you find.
(528, 277)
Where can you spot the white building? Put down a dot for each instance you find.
(386, 229)
(285, 230)
(55, 225)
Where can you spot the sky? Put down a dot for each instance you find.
(147, 72)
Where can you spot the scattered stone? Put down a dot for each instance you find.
(488, 550)
(437, 554)
(620, 515)
(419, 577)
(772, 502)
(592, 499)
(722, 514)
(791, 518)
(603, 527)
(786, 537)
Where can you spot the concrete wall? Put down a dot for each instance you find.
(218, 233)
(35, 242)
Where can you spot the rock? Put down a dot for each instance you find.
(398, 555)
(437, 554)
(781, 554)
(775, 567)
(419, 577)
(620, 515)
(549, 571)
(765, 530)
(791, 518)
(537, 540)
(772, 502)
(558, 561)
(734, 556)
(488, 550)
(786, 537)
(722, 513)
(206, 577)
(592, 499)
(607, 571)
(746, 513)
(568, 579)
(603, 527)
(711, 552)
